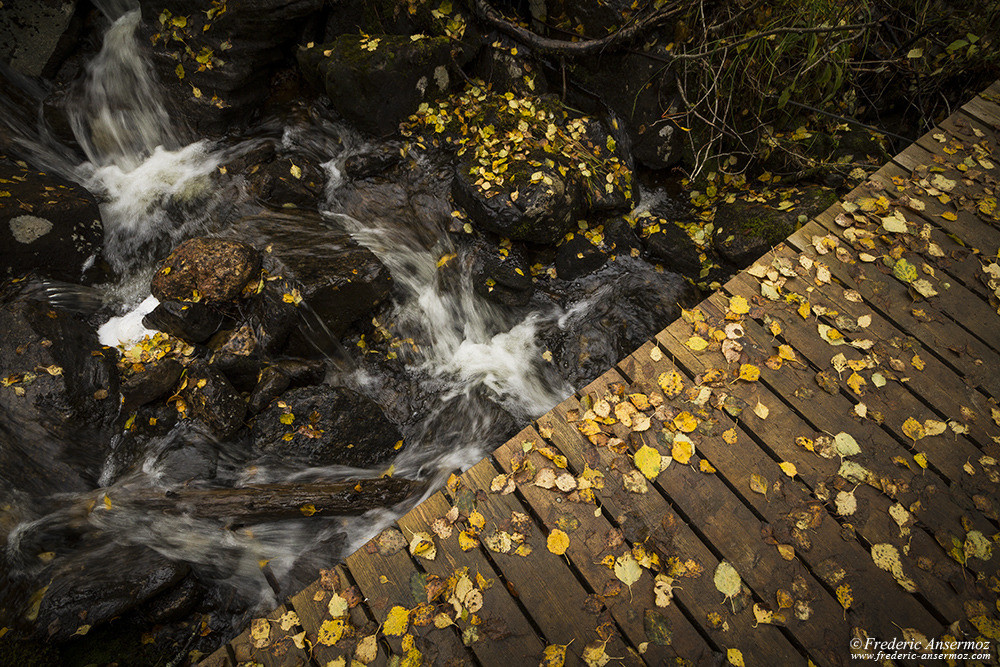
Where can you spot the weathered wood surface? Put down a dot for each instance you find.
(826, 425)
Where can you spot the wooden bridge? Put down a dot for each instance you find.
(804, 464)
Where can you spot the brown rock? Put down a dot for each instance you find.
(218, 269)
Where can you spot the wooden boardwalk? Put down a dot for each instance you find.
(806, 460)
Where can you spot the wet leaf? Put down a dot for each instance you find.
(554, 655)
(904, 271)
(846, 503)
(913, 429)
(761, 410)
(788, 468)
(671, 383)
(627, 569)
(697, 343)
(647, 460)
(729, 436)
(739, 305)
(758, 484)
(685, 422)
(749, 372)
(846, 445)
(396, 621)
(727, 580)
(886, 556)
(422, 545)
(845, 596)
(260, 632)
(663, 590)
(594, 654)
(367, 649)
(683, 449)
(331, 631)
(337, 607)
(558, 542)
(657, 627)
(735, 657)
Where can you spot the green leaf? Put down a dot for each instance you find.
(904, 271)
(785, 96)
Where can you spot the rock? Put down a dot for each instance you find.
(217, 269)
(174, 603)
(48, 225)
(356, 71)
(746, 230)
(670, 245)
(100, 583)
(577, 257)
(56, 398)
(155, 381)
(194, 460)
(191, 322)
(373, 161)
(504, 69)
(280, 180)
(272, 384)
(501, 274)
(212, 400)
(246, 44)
(340, 280)
(595, 18)
(327, 426)
(33, 35)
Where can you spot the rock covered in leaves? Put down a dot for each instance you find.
(48, 225)
(212, 270)
(356, 71)
(325, 426)
(527, 170)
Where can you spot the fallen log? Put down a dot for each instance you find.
(266, 502)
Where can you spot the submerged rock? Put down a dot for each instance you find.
(48, 225)
(326, 426)
(357, 71)
(212, 270)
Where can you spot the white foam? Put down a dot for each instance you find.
(127, 329)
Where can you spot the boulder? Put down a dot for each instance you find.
(212, 400)
(99, 584)
(578, 256)
(669, 245)
(280, 179)
(33, 35)
(48, 225)
(501, 274)
(338, 279)
(154, 381)
(191, 322)
(325, 426)
(58, 397)
(745, 230)
(356, 71)
(212, 270)
(217, 60)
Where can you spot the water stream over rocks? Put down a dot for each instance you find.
(368, 310)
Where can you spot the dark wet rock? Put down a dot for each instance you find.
(611, 145)
(103, 582)
(33, 35)
(247, 43)
(504, 71)
(48, 225)
(155, 381)
(174, 603)
(188, 461)
(595, 18)
(272, 384)
(211, 399)
(339, 280)
(61, 394)
(278, 179)
(642, 95)
(328, 426)
(356, 71)
(500, 273)
(373, 161)
(577, 257)
(302, 372)
(191, 322)
(746, 230)
(241, 370)
(620, 239)
(668, 244)
(217, 269)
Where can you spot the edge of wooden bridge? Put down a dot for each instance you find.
(804, 464)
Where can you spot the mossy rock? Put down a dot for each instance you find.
(746, 230)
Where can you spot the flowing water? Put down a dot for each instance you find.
(475, 370)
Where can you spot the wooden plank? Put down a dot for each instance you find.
(312, 606)
(276, 649)
(946, 511)
(984, 109)
(890, 298)
(543, 581)
(817, 475)
(219, 658)
(591, 536)
(384, 575)
(649, 519)
(505, 636)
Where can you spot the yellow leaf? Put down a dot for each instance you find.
(788, 468)
(557, 542)
(396, 622)
(296, 171)
(422, 545)
(786, 352)
(671, 383)
(445, 259)
(844, 596)
(467, 540)
(627, 569)
(331, 631)
(683, 449)
(729, 436)
(554, 656)
(913, 429)
(758, 484)
(735, 657)
(749, 372)
(367, 649)
(647, 460)
(921, 459)
(739, 305)
(286, 418)
(706, 467)
(308, 509)
(260, 632)
(727, 580)
(697, 343)
(685, 422)
(948, 215)
(477, 519)
(917, 362)
(803, 310)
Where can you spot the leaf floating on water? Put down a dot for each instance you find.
(557, 542)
